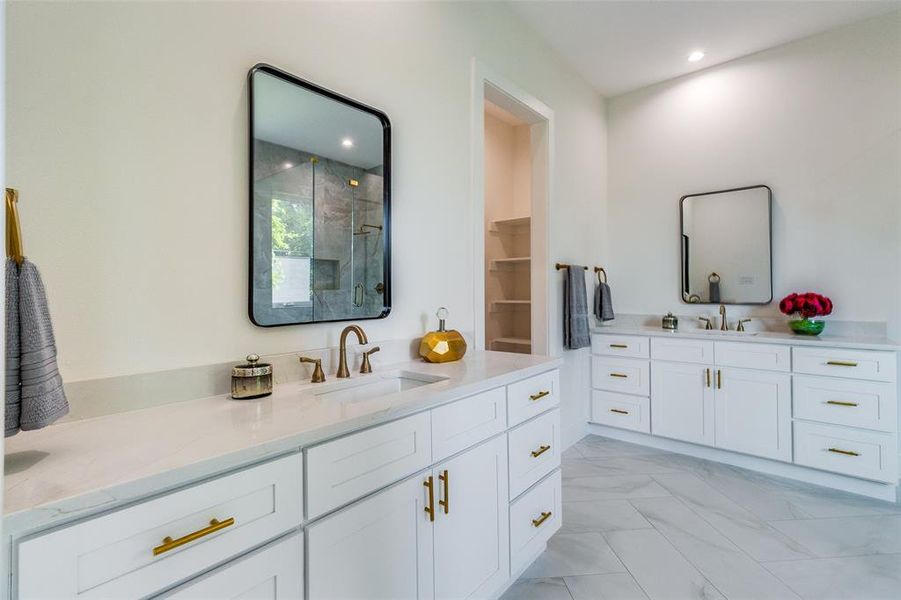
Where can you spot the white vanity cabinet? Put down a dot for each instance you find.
(753, 412)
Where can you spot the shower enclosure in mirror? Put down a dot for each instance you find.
(726, 246)
(319, 204)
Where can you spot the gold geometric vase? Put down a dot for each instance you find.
(443, 345)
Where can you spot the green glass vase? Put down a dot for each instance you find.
(807, 327)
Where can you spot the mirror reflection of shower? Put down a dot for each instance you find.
(366, 229)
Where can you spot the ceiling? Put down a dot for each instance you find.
(620, 46)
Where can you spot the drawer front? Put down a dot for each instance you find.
(534, 450)
(621, 410)
(630, 346)
(859, 364)
(867, 404)
(457, 426)
(624, 375)
(531, 397)
(274, 572)
(680, 350)
(534, 518)
(771, 357)
(112, 556)
(854, 452)
(350, 467)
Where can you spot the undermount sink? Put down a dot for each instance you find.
(367, 387)
(727, 333)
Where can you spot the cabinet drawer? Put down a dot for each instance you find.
(621, 410)
(860, 364)
(112, 556)
(464, 423)
(745, 355)
(681, 350)
(532, 396)
(534, 518)
(350, 467)
(274, 572)
(867, 404)
(631, 346)
(624, 375)
(854, 452)
(534, 450)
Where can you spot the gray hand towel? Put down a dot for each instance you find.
(575, 309)
(43, 400)
(714, 291)
(603, 302)
(13, 396)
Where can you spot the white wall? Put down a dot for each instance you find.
(127, 137)
(819, 121)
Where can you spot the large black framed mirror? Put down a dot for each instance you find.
(727, 255)
(320, 188)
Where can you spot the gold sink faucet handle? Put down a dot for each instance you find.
(367, 366)
(741, 324)
(318, 373)
(708, 325)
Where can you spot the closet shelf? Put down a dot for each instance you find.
(512, 341)
(499, 305)
(499, 263)
(511, 223)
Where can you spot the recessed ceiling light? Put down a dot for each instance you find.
(347, 142)
(695, 56)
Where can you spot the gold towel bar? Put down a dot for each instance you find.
(561, 266)
(13, 228)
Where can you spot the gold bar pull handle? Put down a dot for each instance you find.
(620, 375)
(539, 395)
(619, 411)
(708, 377)
(840, 403)
(544, 517)
(445, 479)
(841, 363)
(719, 379)
(845, 452)
(430, 508)
(541, 450)
(214, 526)
(619, 345)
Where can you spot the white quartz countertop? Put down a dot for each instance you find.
(824, 340)
(70, 470)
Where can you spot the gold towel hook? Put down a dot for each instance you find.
(598, 271)
(13, 229)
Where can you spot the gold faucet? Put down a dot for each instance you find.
(343, 371)
(318, 373)
(723, 326)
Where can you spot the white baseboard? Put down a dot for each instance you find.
(873, 489)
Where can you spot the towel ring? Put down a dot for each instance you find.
(711, 279)
(598, 271)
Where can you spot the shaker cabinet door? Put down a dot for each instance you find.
(682, 402)
(753, 413)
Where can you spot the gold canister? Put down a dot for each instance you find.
(443, 345)
(251, 380)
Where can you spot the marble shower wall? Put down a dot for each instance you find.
(341, 259)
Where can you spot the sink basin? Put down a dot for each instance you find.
(727, 333)
(373, 386)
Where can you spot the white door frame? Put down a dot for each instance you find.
(502, 91)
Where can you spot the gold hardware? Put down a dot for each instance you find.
(561, 266)
(719, 379)
(621, 375)
(618, 411)
(314, 160)
(13, 228)
(318, 373)
(214, 526)
(723, 325)
(353, 182)
(842, 363)
(539, 395)
(430, 509)
(445, 478)
(598, 271)
(343, 371)
(544, 517)
(708, 377)
(708, 324)
(840, 403)
(845, 452)
(367, 366)
(541, 450)
(619, 345)
(741, 324)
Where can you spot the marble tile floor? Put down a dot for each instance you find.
(641, 523)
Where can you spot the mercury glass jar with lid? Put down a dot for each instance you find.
(251, 380)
